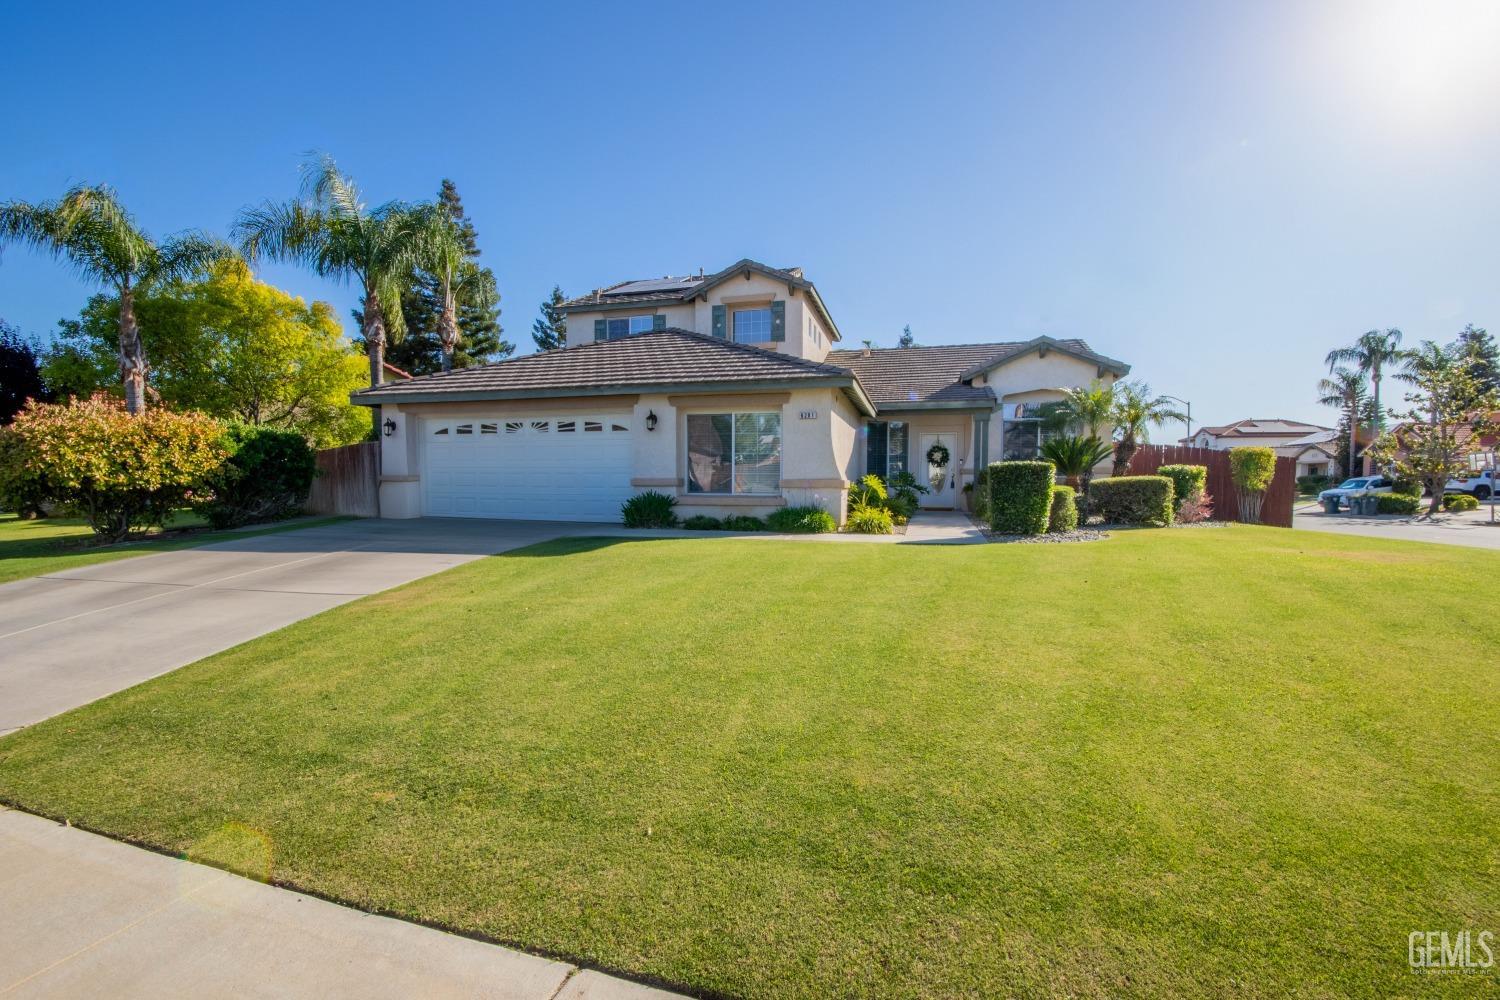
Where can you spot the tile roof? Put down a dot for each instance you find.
(1263, 427)
(693, 285)
(659, 358)
(932, 375)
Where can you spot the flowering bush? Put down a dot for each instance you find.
(1195, 509)
(121, 473)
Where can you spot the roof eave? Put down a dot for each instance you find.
(369, 397)
(1103, 364)
(976, 405)
(603, 306)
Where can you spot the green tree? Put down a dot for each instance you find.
(1478, 349)
(1134, 413)
(475, 306)
(1345, 389)
(1373, 354)
(231, 346)
(89, 228)
(1449, 415)
(20, 373)
(331, 231)
(907, 338)
(1090, 408)
(550, 330)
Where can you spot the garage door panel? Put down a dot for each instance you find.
(528, 468)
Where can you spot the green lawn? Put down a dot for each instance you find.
(54, 544)
(1220, 762)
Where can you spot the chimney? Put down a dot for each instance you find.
(867, 350)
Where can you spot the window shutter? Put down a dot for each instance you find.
(659, 322)
(875, 446)
(600, 330)
(778, 319)
(721, 322)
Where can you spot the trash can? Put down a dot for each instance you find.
(1330, 505)
(1366, 506)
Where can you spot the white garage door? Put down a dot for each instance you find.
(541, 468)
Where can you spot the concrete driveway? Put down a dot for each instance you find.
(1472, 529)
(72, 637)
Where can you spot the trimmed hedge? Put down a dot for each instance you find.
(650, 509)
(801, 521)
(979, 495)
(1064, 515)
(1133, 500)
(265, 478)
(1021, 496)
(744, 522)
(1397, 503)
(1187, 481)
(702, 522)
(1460, 501)
(1407, 487)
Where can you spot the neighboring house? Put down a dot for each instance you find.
(1314, 447)
(728, 391)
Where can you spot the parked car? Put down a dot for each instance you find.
(1356, 487)
(1480, 484)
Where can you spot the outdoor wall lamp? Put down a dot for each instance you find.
(651, 420)
(390, 426)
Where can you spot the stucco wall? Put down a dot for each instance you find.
(1035, 379)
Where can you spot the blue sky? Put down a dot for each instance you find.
(1216, 193)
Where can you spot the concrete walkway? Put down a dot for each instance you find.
(1470, 528)
(941, 527)
(88, 916)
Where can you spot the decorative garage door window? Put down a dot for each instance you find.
(734, 453)
(469, 428)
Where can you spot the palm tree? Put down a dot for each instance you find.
(1091, 407)
(1371, 354)
(1134, 413)
(1345, 389)
(90, 229)
(444, 255)
(1075, 458)
(330, 230)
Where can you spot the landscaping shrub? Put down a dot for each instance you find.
(1064, 514)
(744, 522)
(1460, 501)
(1195, 509)
(702, 522)
(869, 491)
(1314, 484)
(1133, 500)
(650, 509)
(801, 521)
(1397, 503)
(979, 495)
(1407, 486)
(119, 472)
(1020, 497)
(1251, 470)
(867, 520)
(1187, 481)
(266, 477)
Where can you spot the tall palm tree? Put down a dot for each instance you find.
(1345, 389)
(1090, 407)
(1371, 354)
(330, 230)
(444, 255)
(1134, 413)
(92, 231)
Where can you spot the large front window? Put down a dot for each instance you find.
(734, 453)
(752, 326)
(885, 452)
(626, 325)
(1025, 430)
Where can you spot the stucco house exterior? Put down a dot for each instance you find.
(732, 391)
(1314, 447)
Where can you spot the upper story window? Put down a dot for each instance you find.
(624, 327)
(752, 326)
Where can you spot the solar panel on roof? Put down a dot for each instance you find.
(653, 285)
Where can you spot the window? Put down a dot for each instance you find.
(592, 425)
(752, 326)
(539, 425)
(466, 428)
(565, 427)
(885, 448)
(1023, 432)
(625, 326)
(513, 426)
(734, 453)
(488, 428)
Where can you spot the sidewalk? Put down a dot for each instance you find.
(1470, 528)
(101, 918)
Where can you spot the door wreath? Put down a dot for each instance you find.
(937, 456)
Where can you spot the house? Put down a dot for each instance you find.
(1314, 447)
(732, 391)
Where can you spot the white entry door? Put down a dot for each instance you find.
(941, 480)
(540, 468)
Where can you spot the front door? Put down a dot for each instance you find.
(939, 477)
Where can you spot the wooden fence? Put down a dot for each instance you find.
(348, 481)
(1275, 510)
